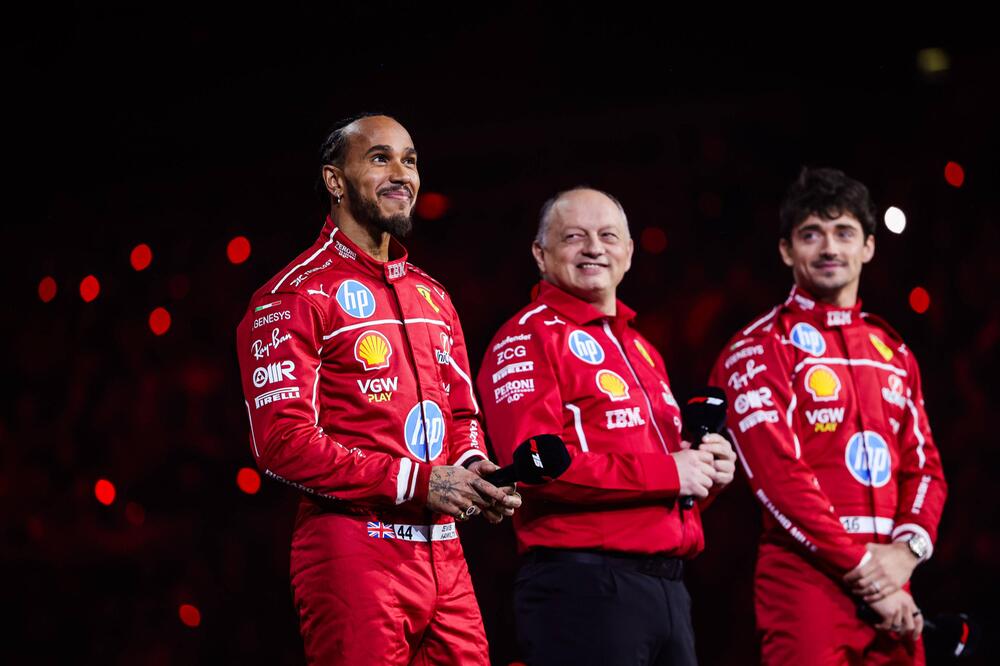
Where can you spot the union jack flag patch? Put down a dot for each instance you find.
(380, 530)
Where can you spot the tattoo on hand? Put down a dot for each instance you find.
(445, 485)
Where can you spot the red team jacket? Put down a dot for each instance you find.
(561, 367)
(356, 377)
(827, 414)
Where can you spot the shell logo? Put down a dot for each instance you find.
(880, 346)
(426, 293)
(372, 350)
(612, 385)
(645, 354)
(823, 383)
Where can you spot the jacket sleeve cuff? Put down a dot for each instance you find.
(661, 473)
(470, 457)
(422, 485)
(412, 480)
(853, 557)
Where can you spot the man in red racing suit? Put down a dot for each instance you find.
(827, 415)
(358, 391)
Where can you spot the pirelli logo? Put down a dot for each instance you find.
(275, 396)
(526, 366)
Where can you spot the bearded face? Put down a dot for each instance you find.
(367, 212)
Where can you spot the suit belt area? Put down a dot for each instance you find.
(659, 566)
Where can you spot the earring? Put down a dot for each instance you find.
(336, 199)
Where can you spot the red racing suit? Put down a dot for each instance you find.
(357, 381)
(561, 367)
(827, 415)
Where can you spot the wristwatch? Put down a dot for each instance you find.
(919, 546)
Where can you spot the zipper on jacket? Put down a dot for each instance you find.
(642, 389)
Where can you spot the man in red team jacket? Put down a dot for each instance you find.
(603, 544)
(358, 391)
(827, 414)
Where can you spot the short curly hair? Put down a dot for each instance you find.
(826, 193)
(334, 147)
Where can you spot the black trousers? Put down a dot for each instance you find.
(588, 608)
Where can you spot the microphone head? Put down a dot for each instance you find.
(948, 637)
(540, 459)
(705, 411)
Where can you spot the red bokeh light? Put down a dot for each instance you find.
(238, 250)
(89, 288)
(920, 300)
(431, 205)
(653, 240)
(141, 257)
(104, 491)
(189, 615)
(159, 321)
(954, 174)
(248, 480)
(135, 514)
(47, 289)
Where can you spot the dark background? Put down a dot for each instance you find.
(183, 129)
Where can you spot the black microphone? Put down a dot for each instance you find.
(948, 636)
(705, 412)
(538, 459)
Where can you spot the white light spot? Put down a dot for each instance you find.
(895, 220)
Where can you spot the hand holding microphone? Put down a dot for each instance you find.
(714, 465)
(947, 636)
(538, 459)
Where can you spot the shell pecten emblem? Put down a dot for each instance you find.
(372, 350)
(426, 293)
(611, 384)
(823, 383)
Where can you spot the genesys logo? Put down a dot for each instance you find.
(271, 318)
(273, 373)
